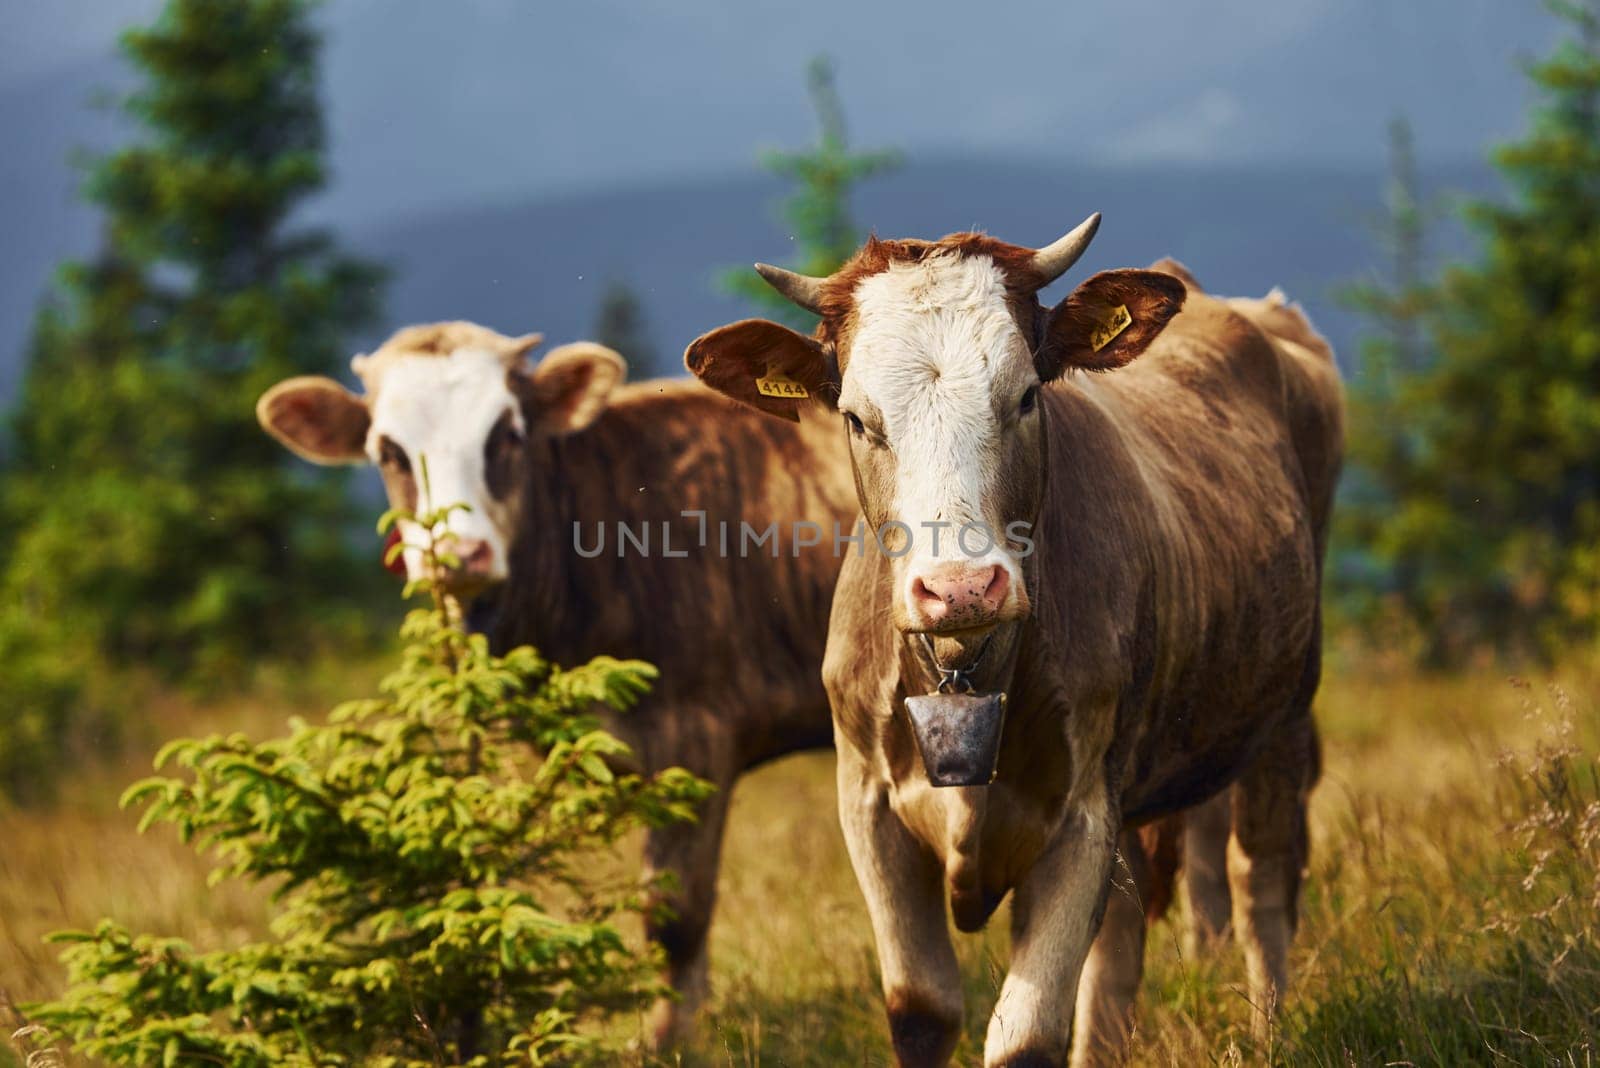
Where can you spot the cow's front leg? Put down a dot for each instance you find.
(904, 889)
(1055, 915)
(689, 854)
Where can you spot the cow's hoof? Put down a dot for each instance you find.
(924, 1034)
(1031, 1059)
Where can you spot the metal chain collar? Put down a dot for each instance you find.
(956, 680)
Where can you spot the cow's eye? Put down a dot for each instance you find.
(500, 455)
(393, 456)
(1030, 400)
(856, 425)
(505, 435)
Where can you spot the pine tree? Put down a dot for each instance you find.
(1394, 301)
(435, 856)
(818, 211)
(1501, 465)
(147, 518)
(1492, 450)
(620, 325)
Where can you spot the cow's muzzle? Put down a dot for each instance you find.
(471, 566)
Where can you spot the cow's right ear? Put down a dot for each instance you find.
(767, 366)
(317, 419)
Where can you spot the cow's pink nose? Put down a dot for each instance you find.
(951, 598)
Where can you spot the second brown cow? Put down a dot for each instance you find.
(552, 457)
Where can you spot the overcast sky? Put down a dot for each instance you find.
(433, 102)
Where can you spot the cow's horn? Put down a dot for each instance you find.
(1054, 260)
(800, 288)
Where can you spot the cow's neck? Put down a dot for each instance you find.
(570, 605)
(545, 603)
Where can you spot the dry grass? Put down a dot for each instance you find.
(1422, 939)
(82, 858)
(1413, 857)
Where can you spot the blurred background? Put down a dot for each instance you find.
(509, 161)
(206, 196)
(202, 197)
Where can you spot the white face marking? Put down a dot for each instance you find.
(938, 354)
(441, 410)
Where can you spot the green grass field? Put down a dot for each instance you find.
(1450, 917)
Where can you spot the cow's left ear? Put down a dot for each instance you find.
(767, 366)
(570, 387)
(1107, 321)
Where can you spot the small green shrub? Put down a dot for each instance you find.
(433, 851)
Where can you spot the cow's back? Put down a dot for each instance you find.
(1206, 505)
(1314, 393)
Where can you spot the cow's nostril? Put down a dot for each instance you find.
(474, 557)
(999, 582)
(479, 558)
(932, 605)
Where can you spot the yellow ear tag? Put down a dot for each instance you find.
(778, 384)
(1114, 321)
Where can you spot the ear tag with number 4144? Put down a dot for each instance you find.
(778, 384)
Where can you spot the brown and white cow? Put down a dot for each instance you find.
(535, 449)
(1160, 642)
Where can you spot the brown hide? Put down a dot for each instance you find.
(738, 641)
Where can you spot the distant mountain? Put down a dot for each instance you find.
(545, 264)
(612, 107)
